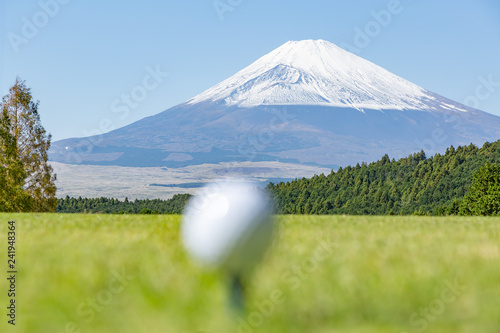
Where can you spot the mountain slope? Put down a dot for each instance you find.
(305, 102)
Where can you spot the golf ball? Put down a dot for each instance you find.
(228, 225)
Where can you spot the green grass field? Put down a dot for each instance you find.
(102, 273)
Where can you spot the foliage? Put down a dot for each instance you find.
(412, 185)
(483, 197)
(12, 194)
(27, 180)
(175, 205)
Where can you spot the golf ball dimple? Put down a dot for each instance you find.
(228, 225)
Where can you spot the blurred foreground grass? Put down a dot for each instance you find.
(129, 273)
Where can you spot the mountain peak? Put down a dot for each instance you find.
(317, 72)
(309, 55)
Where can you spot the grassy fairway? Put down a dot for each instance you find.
(101, 273)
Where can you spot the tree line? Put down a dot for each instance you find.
(175, 205)
(463, 181)
(412, 185)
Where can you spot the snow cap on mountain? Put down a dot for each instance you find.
(316, 72)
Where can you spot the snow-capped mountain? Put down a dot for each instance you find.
(305, 102)
(317, 72)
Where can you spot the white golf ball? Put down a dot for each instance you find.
(228, 225)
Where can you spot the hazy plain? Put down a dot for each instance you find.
(160, 182)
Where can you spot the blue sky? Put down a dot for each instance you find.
(81, 57)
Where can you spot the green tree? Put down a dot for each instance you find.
(12, 194)
(483, 197)
(28, 176)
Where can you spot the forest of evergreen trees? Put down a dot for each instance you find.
(115, 206)
(412, 185)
